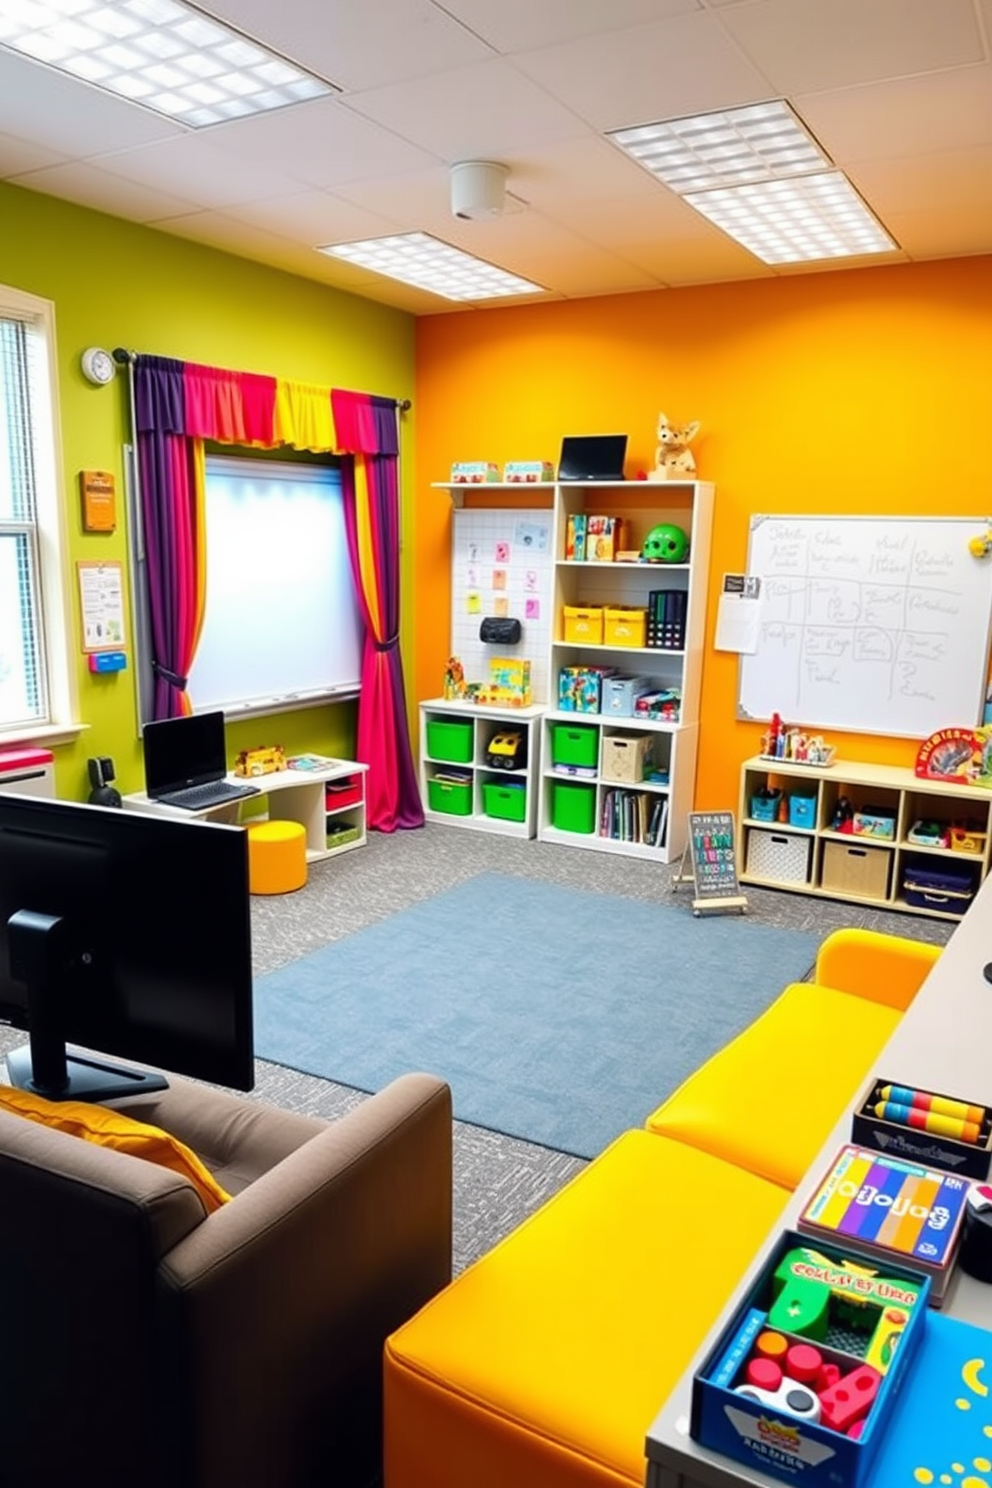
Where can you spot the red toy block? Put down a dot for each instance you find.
(829, 1375)
(803, 1363)
(855, 1431)
(765, 1374)
(851, 1398)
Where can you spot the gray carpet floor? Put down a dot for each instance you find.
(498, 1180)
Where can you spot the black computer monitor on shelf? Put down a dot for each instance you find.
(129, 935)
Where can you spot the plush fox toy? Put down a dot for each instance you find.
(673, 458)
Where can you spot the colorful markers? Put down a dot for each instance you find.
(929, 1121)
(899, 1095)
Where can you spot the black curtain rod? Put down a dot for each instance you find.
(125, 358)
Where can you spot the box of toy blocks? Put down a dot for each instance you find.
(803, 1381)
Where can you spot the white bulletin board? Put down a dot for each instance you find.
(502, 563)
(875, 624)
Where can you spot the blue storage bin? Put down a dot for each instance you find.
(764, 805)
(802, 811)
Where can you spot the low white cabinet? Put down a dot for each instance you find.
(328, 801)
(465, 781)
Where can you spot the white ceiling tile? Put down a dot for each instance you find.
(522, 25)
(18, 155)
(662, 71)
(475, 113)
(938, 111)
(806, 45)
(323, 143)
(88, 186)
(954, 178)
(587, 170)
(312, 217)
(952, 233)
(356, 44)
(192, 168)
(68, 116)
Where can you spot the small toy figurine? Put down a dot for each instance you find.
(673, 458)
(843, 819)
(454, 680)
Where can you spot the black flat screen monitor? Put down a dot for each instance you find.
(127, 934)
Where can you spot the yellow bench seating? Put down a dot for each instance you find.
(543, 1365)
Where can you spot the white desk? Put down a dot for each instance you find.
(291, 795)
(943, 1042)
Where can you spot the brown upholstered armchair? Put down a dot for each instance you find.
(142, 1340)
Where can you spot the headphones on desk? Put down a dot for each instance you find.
(101, 772)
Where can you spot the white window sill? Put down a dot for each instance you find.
(46, 733)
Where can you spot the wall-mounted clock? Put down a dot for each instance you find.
(98, 365)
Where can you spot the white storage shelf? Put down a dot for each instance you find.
(483, 724)
(583, 584)
(866, 868)
(670, 746)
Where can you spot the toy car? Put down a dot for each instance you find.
(505, 750)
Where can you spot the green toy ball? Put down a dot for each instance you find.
(665, 543)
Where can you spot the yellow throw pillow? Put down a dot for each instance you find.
(109, 1128)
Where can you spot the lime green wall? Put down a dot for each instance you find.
(116, 283)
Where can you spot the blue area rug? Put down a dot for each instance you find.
(556, 1015)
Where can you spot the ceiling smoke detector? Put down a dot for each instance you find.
(478, 189)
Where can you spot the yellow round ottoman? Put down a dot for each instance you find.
(277, 857)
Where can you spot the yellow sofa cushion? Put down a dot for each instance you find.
(544, 1364)
(770, 1098)
(109, 1128)
(889, 969)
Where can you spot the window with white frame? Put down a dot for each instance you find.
(35, 678)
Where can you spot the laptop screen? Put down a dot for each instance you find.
(184, 751)
(592, 457)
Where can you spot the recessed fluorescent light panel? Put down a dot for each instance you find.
(427, 263)
(168, 57)
(760, 176)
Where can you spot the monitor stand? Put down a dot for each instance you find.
(37, 949)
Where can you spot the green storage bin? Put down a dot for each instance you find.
(454, 797)
(573, 806)
(449, 739)
(574, 744)
(507, 801)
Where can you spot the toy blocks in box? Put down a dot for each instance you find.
(474, 472)
(508, 685)
(777, 1396)
(529, 472)
(888, 1119)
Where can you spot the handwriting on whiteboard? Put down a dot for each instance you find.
(874, 624)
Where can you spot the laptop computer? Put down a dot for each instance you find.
(186, 762)
(592, 457)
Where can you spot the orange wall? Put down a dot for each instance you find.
(858, 391)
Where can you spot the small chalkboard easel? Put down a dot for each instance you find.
(713, 854)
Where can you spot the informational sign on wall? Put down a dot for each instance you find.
(713, 852)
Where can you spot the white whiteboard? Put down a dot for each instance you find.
(874, 624)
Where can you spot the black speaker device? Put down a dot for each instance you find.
(101, 774)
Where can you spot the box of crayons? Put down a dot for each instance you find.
(943, 1131)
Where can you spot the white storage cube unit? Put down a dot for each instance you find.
(779, 855)
(27, 772)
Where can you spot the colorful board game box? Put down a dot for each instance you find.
(888, 1206)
